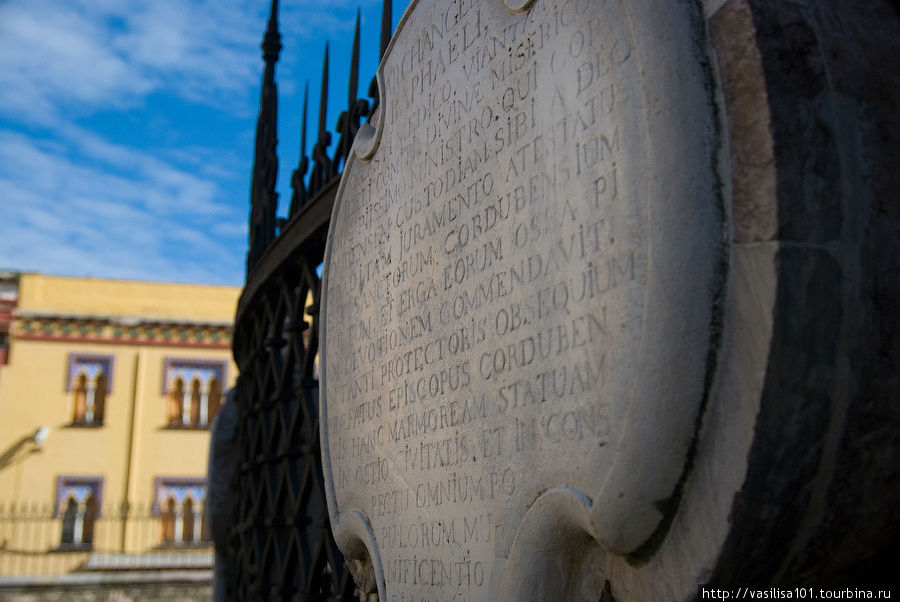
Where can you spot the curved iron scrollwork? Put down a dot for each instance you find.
(281, 545)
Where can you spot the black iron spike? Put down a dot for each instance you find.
(323, 102)
(300, 195)
(354, 65)
(322, 163)
(385, 27)
(272, 41)
(348, 122)
(263, 198)
(303, 126)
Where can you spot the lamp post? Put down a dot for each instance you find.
(16, 455)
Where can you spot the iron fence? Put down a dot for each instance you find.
(39, 539)
(281, 546)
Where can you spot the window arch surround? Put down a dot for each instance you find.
(78, 500)
(179, 504)
(193, 390)
(89, 381)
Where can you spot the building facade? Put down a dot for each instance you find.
(107, 391)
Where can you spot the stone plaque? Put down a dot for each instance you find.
(520, 291)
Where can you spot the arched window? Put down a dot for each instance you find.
(176, 399)
(215, 397)
(78, 504)
(196, 399)
(89, 382)
(68, 526)
(187, 509)
(181, 510)
(194, 391)
(99, 397)
(89, 508)
(80, 398)
(168, 521)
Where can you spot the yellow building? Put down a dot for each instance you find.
(107, 389)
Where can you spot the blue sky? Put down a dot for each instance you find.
(127, 127)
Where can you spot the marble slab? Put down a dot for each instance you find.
(520, 288)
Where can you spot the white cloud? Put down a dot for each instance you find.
(131, 216)
(74, 200)
(61, 56)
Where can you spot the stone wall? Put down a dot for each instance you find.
(180, 586)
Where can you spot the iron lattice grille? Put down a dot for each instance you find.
(280, 546)
(282, 543)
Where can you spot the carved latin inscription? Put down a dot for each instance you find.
(500, 275)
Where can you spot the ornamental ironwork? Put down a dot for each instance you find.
(281, 545)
